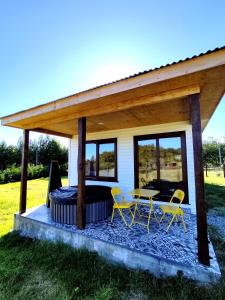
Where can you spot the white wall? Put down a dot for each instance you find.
(126, 155)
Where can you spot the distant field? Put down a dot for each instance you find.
(9, 199)
(215, 177)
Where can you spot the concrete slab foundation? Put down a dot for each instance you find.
(120, 245)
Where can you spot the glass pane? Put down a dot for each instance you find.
(171, 160)
(106, 160)
(90, 164)
(147, 167)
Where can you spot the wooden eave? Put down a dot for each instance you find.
(159, 96)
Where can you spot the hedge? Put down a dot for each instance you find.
(13, 173)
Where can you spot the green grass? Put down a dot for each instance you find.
(215, 191)
(32, 269)
(9, 199)
(215, 177)
(40, 270)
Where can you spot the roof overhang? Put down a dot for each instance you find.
(155, 97)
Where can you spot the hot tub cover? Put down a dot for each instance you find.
(64, 195)
(68, 195)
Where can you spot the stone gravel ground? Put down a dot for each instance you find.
(217, 219)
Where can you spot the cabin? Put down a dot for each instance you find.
(144, 131)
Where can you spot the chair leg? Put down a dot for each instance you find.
(156, 217)
(163, 216)
(132, 215)
(135, 209)
(185, 228)
(121, 213)
(112, 215)
(138, 211)
(149, 218)
(131, 212)
(174, 216)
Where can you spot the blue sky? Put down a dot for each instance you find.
(51, 49)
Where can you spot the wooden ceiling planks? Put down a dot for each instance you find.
(141, 116)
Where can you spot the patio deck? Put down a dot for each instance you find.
(160, 253)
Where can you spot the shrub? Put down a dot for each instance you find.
(10, 174)
(13, 173)
(37, 171)
(63, 169)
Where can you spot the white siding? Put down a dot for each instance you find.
(126, 155)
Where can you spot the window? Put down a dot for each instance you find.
(160, 163)
(101, 160)
(90, 169)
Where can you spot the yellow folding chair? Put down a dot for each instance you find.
(173, 209)
(120, 203)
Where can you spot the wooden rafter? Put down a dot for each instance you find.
(52, 132)
(183, 68)
(100, 107)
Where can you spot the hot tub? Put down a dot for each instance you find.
(63, 203)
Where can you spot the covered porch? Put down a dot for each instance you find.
(159, 253)
(180, 97)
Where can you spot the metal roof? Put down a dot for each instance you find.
(161, 67)
(126, 78)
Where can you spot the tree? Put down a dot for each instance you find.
(211, 153)
(50, 149)
(40, 152)
(8, 155)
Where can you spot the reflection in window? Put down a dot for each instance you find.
(147, 162)
(161, 164)
(170, 159)
(90, 167)
(106, 160)
(101, 160)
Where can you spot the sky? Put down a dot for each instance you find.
(51, 49)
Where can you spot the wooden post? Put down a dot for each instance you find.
(202, 238)
(23, 186)
(81, 173)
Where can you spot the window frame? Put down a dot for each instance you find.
(157, 136)
(97, 143)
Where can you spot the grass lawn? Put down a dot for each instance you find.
(215, 191)
(9, 199)
(32, 269)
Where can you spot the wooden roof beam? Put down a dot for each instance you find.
(46, 131)
(99, 108)
(183, 68)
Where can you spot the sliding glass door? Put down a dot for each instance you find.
(147, 158)
(160, 163)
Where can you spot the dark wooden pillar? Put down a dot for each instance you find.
(54, 179)
(81, 173)
(23, 187)
(195, 116)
